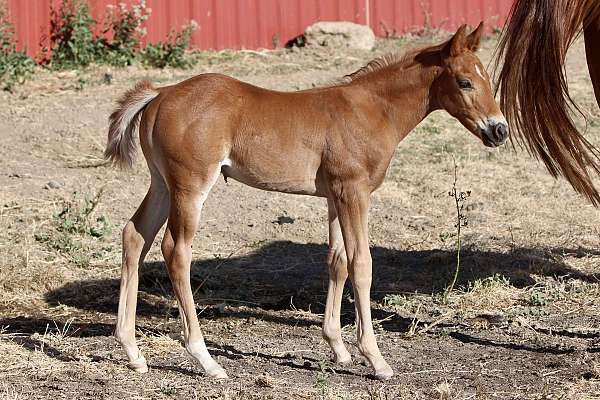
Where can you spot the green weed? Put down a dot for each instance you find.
(168, 388)
(77, 217)
(15, 66)
(396, 300)
(495, 281)
(461, 221)
(322, 379)
(75, 228)
(171, 53)
(400, 302)
(537, 299)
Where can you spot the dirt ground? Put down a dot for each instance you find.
(523, 323)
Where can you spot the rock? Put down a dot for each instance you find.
(107, 78)
(284, 219)
(54, 185)
(346, 34)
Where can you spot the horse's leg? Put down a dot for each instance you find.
(338, 272)
(138, 236)
(167, 245)
(352, 205)
(186, 205)
(591, 36)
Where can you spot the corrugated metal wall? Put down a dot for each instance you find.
(30, 19)
(397, 16)
(267, 23)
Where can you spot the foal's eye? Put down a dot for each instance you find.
(465, 84)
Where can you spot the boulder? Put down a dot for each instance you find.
(346, 34)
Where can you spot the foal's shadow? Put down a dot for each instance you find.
(283, 275)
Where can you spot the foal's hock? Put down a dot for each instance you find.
(334, 142)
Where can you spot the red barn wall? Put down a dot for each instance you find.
(265, 23)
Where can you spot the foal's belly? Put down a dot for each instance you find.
(275, 173)
(272, 182)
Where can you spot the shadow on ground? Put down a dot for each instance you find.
(284, 275)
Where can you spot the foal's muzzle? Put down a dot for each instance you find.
(494, 132)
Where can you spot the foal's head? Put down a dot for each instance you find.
(463, 89)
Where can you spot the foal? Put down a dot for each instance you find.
(333, 142)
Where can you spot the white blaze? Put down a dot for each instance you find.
(479, 71)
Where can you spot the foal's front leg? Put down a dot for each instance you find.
(338, 273)
(352, 205)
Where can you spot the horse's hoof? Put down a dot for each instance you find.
(346, 360)
(384, 374)
(217, 373)
(139, 365)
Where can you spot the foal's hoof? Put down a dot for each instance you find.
(343, 360)
(384, 374)
(139, 365)
(217, 373)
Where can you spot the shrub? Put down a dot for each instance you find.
(171, 53)
(126, 28)
(74, 44)
(71, 35)
(15, 66)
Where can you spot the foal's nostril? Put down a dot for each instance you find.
(500, 131)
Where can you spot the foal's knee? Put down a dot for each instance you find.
(167, 246)
(360, 269)
(337, 261)
(133, 241)
(179, 260)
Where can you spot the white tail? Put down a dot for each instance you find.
(121, 148)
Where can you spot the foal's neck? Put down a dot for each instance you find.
(403, 91)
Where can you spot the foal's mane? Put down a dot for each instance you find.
(376, 64)
(533, 88)
(387, 61)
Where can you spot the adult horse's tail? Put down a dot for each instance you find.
(121, 148)
(533, 89)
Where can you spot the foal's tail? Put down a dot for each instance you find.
(533, 88)
(121, 148)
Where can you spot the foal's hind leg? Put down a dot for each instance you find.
(186, 205)
(338, 273)
(138, 236)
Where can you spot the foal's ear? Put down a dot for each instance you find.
(474, 39)
(456, 45)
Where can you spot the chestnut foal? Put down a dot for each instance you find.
(334, 142)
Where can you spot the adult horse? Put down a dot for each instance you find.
(533, 88)
(334, 142)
